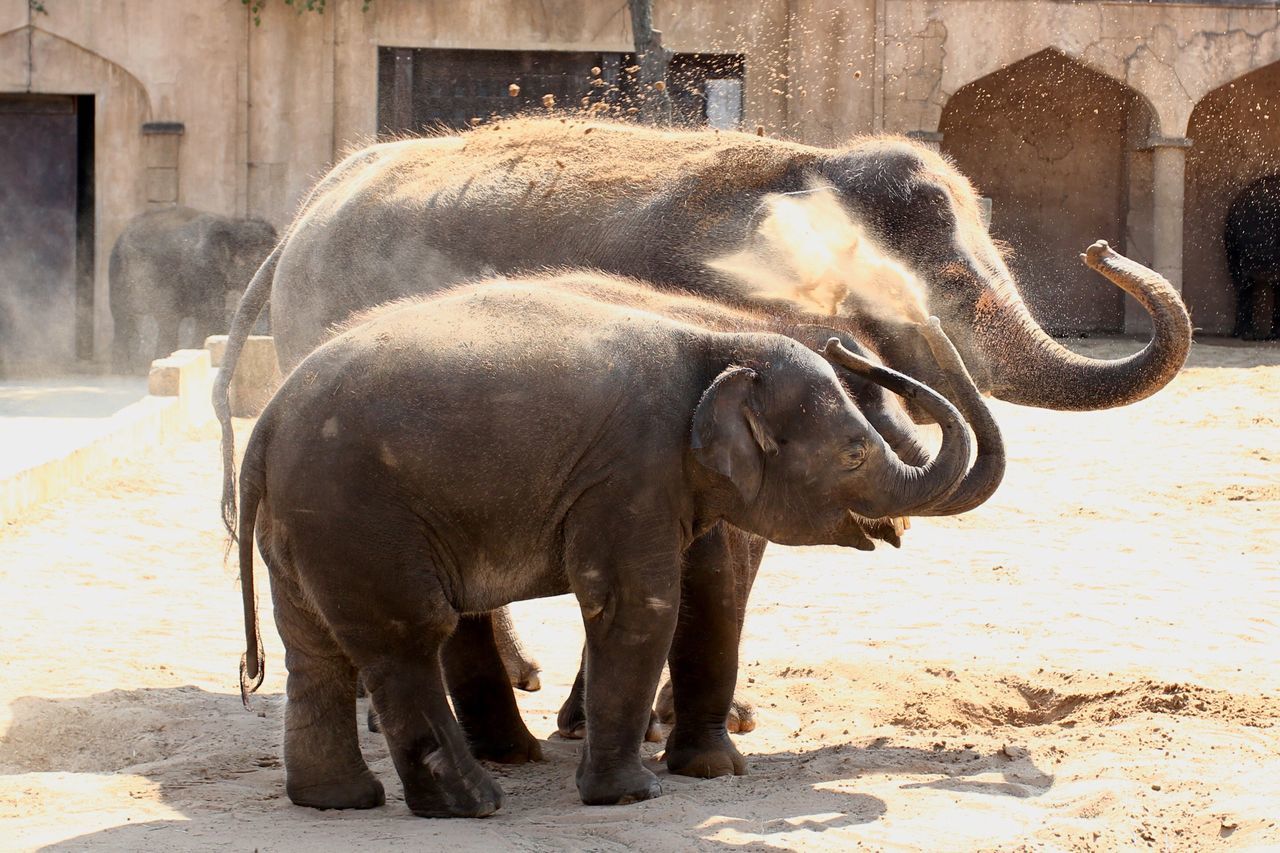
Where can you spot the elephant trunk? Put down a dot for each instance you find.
(1033, 369)
(989, 464)
(908, 486)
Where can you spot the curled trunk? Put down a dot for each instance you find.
(1033, 369)
(987, 472)
(909, 487)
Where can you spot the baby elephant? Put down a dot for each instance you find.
(506, 441)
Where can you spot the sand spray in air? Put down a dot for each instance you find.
(809, 251)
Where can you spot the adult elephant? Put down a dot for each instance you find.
(658, 205)
(1252, 240)
(176, 263)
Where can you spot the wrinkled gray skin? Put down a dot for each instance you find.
(175, 263)
(739, 553)
(505, 442)
(658, 205)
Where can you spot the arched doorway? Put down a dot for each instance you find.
(112, 105)
(1049, 141)
(1235, 135)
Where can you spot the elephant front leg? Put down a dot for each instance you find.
(741, 552)
(629, 629)
(704, 661)
(571, 721)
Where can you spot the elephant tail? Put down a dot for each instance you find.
(252, 483)
(251, 304)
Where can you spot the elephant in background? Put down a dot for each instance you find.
(1252, 240)
(178, 263)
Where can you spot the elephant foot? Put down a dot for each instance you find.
(523, 674)
(512, 748)
(372, 721)
(363, 791)
(618, 787)
(571, 728)
(740, 720)
(705, 757)
(471, 793)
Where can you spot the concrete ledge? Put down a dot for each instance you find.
(186, 380)
(257, 373)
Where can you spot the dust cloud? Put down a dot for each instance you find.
(808, 250)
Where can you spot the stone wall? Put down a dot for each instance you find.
(267, 109)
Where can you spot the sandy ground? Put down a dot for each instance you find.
(1087, 662)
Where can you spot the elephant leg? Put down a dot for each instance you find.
(629, 592)
(743, 552)
(167, 330)
(571, 721)
(124, 342)
(704, 660)
(522, 670)
(323, 765)
(482, 695)
(1253, 310)
(428, 747)
(402, 672)
(1273, 316)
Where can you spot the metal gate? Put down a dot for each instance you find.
(421, 89)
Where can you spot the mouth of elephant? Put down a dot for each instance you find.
(854, 530)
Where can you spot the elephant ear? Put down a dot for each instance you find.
(729, 436)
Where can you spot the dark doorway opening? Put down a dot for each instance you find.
(46, 232)
(425, 89)
(1252, 240)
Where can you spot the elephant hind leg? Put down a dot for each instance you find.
(324, 768)
(482, 695)
(441, 778)
(396, 636)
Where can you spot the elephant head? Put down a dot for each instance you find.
(885, 414)
(237, 247)
(803, 465)
(922, 211)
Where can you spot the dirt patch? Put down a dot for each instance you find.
(979, 704)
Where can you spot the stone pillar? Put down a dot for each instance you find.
(160, 153)
(1168, 189)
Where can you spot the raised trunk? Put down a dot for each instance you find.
(988, 466)
(909, 487)
(1033, 369)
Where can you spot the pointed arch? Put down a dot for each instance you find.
(1052, 142)
(1235, 134)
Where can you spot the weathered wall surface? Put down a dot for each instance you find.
(1236, 135)
(267, 109)
(1174, 54)
(1045, 140)
(139, 68)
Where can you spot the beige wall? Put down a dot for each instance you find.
(1045, 140)
(268, 109)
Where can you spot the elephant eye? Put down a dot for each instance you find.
(853, 456)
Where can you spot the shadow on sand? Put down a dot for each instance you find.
(219, 767)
